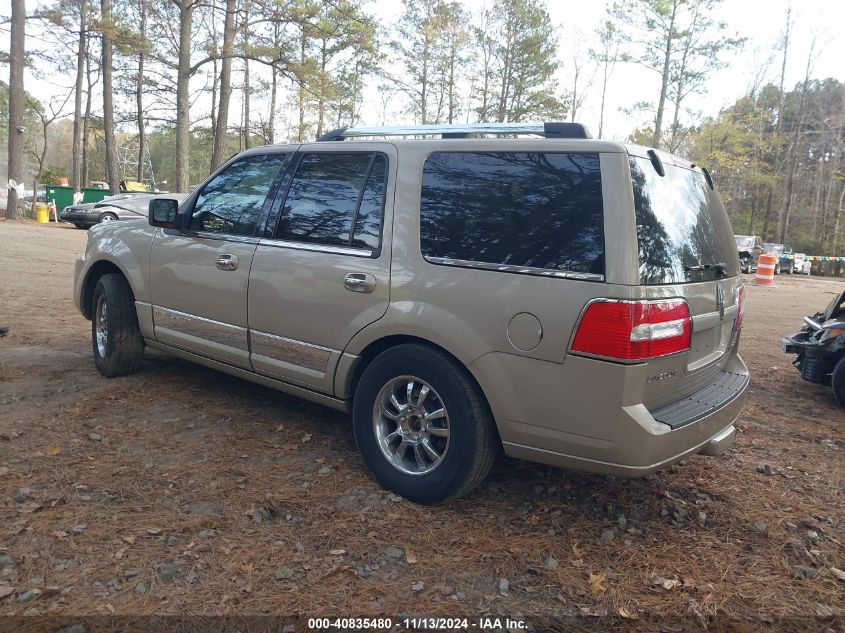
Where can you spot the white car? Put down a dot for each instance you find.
(801, 264)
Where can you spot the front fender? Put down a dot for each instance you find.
(121, 246)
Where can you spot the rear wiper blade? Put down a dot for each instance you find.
(719, 267)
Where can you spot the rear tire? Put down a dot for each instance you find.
(108, 217)
(837, 382)
(452, 417)
(115, 335)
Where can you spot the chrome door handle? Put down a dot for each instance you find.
(360, 282)
(227, 262)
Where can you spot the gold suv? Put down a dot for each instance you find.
(461, 290)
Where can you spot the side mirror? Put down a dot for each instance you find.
(163, 212)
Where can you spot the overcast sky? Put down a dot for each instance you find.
(761, 21)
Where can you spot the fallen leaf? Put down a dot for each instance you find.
(412, 560)
(627, 614)
(6, 591)
(54, 449)
(128, 539)
(337, 552)
(594, 612)
(306, 438)
(418, 586)
(280, 428)
(154, 531)
(29, 508)
(3, 471)
(59, 535)
(119, 553)
(597, 583)
(838, 573)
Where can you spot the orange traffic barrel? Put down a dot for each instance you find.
(766, 270)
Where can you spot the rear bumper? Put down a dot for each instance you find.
(577, 415)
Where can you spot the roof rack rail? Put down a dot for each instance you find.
(548, 129)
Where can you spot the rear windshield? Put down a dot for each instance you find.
(528, 210)
(681, 226)
(744, 241)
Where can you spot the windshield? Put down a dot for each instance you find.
(683, 229)
(744, 241)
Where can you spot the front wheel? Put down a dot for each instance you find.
(115, 335)
(838, 382)
(422, 425)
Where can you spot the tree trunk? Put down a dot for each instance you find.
(833, 250)
(247, 87)
(664, 82)
(76, 158)
(300, 132)
(271, 122)
(218, 152)
(17, 60)
(767, 216)
(139, 98)
(86, 121)
(108, 103)
(603, 96)
(321, 98)
(183, 104)
(247, 90)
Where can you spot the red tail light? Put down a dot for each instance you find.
(740, 304)
(634, 330)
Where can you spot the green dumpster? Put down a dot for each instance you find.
(63, 196)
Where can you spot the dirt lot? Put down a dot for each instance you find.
(181, 490)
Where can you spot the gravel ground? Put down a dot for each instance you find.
(182, 490)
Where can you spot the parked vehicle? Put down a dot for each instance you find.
(801, 264)
(820, 347)
(454, 294)
(123, 206)
(784, 255)
(749, 248)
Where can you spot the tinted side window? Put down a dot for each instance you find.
(232, 201)
(332, 193)
(521, 209)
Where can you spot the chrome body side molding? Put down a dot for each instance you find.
(290, 351)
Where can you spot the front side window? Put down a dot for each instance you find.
(231, 203)
(336, 200)
(525, 209)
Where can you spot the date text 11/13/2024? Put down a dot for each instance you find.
(420, 623)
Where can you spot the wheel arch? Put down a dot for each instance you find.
(100, 268)
(347, 382)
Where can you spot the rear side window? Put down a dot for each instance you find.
(336, 200)
(522, 209)
(681, 226)
(231, 203)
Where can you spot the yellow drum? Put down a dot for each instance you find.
(42, 213)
